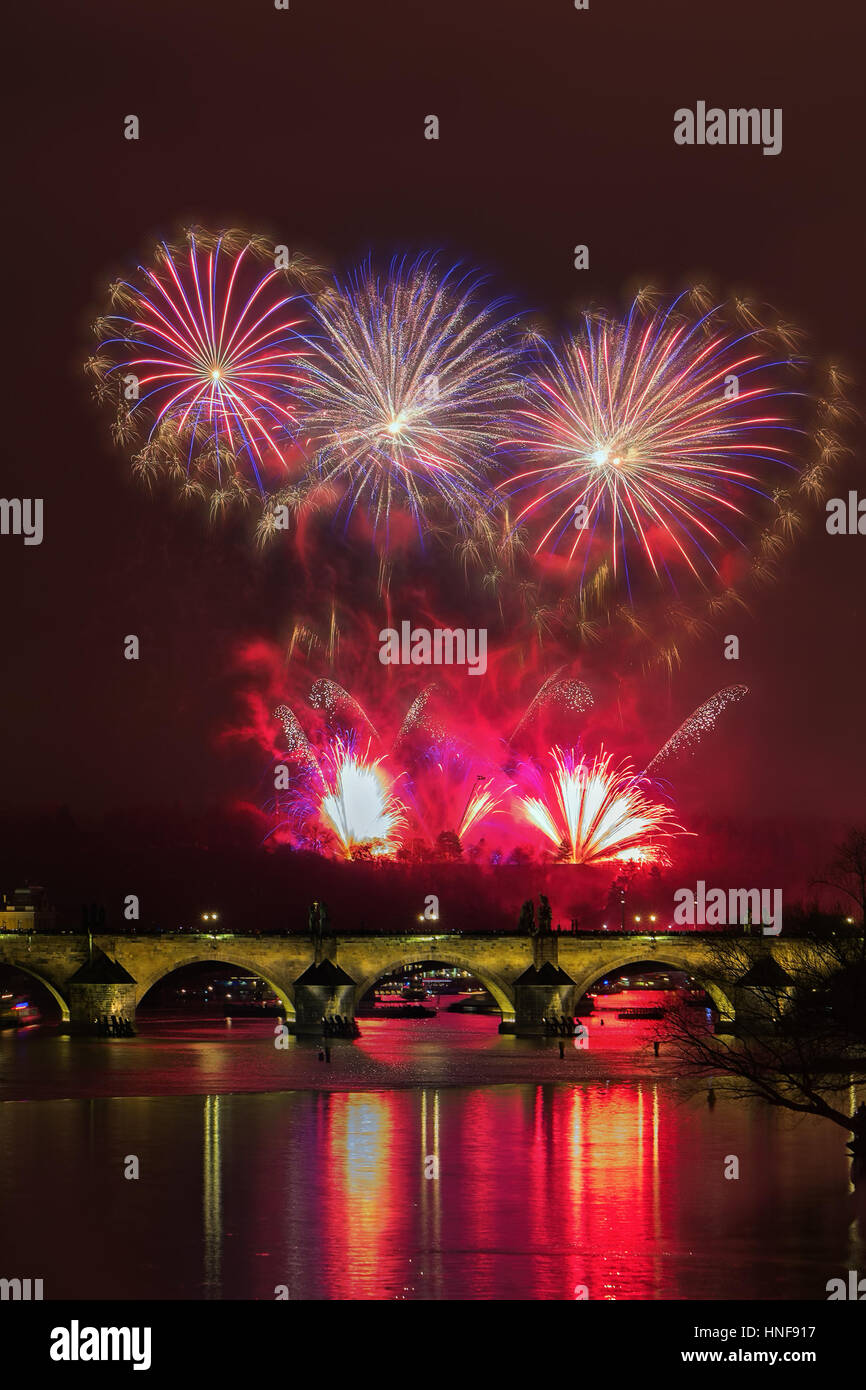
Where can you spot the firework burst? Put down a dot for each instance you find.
(655, 444)
(484, 800)
(406, 388)
(201, 356)
(454, 791)
(594, 812)
(360, 805)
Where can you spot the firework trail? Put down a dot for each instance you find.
(298, 745)
(594, 812)
(569, 695)
(453, 789)
(341, 708)
(485, 800)
(204, 363)
(406, 387)
(663, 437)
(694, 729)
(418, 720)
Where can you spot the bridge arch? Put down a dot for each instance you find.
(233, 960)
(61, 1001)
(672, 959)
(497, 987)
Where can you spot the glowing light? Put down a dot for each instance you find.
(209, 340)
(594, 812)
(338, 796)
(406, 385)
(484, 800)
(361, 807)
(637, 422)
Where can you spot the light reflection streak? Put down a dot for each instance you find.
(212, 1198)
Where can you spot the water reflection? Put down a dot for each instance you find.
(364, 1203)
(503, 1190)
(212, 1232)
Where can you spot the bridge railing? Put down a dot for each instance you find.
(302, 933)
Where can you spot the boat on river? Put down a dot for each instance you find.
(17, 1012)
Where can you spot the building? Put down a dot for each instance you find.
(26, 910)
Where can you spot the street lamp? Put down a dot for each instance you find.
(211, 917)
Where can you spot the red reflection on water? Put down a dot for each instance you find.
(363, 1210)
(549, 1174)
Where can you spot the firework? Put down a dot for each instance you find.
(655, 444)
(298, 745)
(406, 387)
(484, 800)
(360, 805)
(594, 812)
(563, 695)
(342, 710)
(694, 729)
(339, 790)
(454, 792)
(416, 717)
(202, 360)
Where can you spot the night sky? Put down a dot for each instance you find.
(307, 125)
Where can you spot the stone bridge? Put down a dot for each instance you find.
(528, 977)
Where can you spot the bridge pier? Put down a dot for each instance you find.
(101, 988)
(540, 993)
(760, 997)
(323, 991)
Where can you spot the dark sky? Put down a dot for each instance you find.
(556, 128)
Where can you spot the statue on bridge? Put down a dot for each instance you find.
(527, 923)
(317, 922)
(545, 917)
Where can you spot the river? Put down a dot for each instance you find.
(431, 1159)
